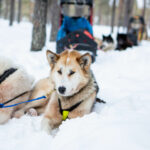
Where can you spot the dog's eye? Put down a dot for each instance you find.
(71, 73)
(59, 71)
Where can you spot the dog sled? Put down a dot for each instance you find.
(76, 26)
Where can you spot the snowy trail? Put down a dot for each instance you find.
(124, 80)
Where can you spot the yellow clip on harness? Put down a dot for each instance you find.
(65, 112)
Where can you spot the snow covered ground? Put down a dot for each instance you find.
(121, 124)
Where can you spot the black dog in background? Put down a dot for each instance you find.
(123, 41)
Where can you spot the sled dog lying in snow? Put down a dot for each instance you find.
(123, 41)
(71, 89)
(15, 84)
(107, 43)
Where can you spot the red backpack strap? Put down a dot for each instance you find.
(88, 34)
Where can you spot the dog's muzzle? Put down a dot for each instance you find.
(61, 89)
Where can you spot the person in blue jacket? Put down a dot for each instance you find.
(72, 24)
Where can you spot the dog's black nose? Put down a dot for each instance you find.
(62, 89)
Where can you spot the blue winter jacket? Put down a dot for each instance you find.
(70, 25)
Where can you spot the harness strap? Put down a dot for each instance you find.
(15, 97)
(2, 105)
(6, 74)
(65, 112)
(39, 98)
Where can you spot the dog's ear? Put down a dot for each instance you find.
(85, 61)
(52, 58)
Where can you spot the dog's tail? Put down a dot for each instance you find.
(100, 101)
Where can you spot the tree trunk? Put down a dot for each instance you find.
(0, 8)
(55, 20)
(113, 16)
(12, 12)
(6, 10)
(99, 12)
(39, 25)
(144, 8)
(19, 11)
(120, 14)
(31, 8)
(128, 11)
(49, 15)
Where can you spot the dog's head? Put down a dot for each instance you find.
(69, 71)
(107, 40)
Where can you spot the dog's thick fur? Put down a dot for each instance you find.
(71, 70)
(123, 41)
(107, 43)
(16, 83)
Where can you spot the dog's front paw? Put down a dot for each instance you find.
(45, 125)
(32, 112)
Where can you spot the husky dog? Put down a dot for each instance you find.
(75, 88)
(123, 41)
(15, 84)
(71, 89)
(107, 43)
